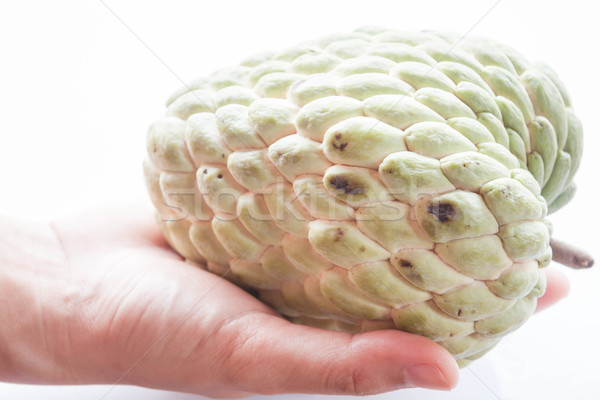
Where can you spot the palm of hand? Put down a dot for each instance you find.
(138, 314)
(154, 318)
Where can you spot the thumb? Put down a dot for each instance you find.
(300, 359)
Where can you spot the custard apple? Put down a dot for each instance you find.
(372, 180)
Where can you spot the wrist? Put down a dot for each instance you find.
(31, 264)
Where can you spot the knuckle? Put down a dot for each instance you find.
(233, 345)
(352, 375)
(352, 379)
(341, 382)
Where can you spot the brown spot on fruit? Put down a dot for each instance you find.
(220, 176)
(362, 249)
(342, 183)
(205, 172)
(443, 212)
(339, 234)
(338, 136)
(405, 264)
(339, 182)
(340, 147)
(459, 311)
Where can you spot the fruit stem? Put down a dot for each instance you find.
(569, 255)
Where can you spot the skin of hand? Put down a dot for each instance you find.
(100, 298)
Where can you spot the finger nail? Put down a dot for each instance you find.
(426, 376)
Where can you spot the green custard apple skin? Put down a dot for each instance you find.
(373, 180)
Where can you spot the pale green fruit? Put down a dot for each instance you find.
(373, 180)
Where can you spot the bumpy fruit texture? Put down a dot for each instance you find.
(372, 180)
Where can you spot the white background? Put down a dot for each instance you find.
(78, 90)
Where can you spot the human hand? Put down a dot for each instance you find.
(100, 298)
